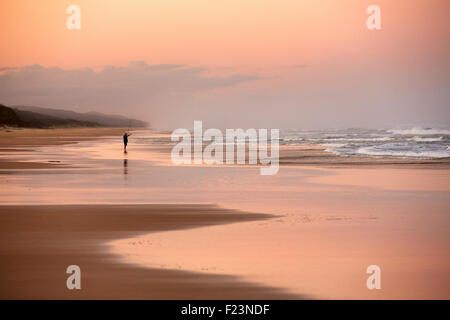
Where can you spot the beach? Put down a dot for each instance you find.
(184, 151)
(14, 139)
(39, 242)
(140, 227)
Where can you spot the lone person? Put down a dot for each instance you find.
(125, 141)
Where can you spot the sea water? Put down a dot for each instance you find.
(408, 143)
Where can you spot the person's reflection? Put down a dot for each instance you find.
(125, 166)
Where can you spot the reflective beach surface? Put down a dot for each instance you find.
(329, 224)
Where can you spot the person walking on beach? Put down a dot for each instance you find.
(125, 141)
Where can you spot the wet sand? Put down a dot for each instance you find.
(317, 156)
(38, 243)
(23, 140)
(332, 224)
(334, 217)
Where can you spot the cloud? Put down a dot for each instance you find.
(4, 69)
(138, 90)
(174, 95)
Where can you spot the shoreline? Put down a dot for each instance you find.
(39, 241)
(25, 139)
(316, 155)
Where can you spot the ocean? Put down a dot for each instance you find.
(408, 143)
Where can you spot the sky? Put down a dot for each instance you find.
(234, 63)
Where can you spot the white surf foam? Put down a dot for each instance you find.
(371, 151)
(419, 131)
(421, 139)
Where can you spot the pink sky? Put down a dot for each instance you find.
(328, 39)
(233, 33)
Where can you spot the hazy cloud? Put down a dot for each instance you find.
(4, 69)
(173, 95)
(138, 90)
